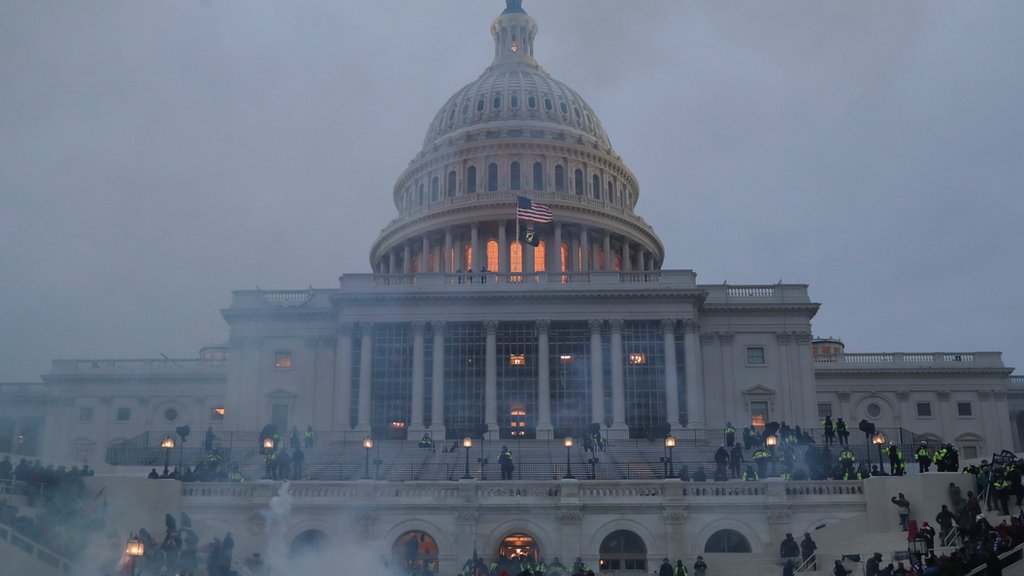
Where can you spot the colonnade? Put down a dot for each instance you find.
(421, 330)
(586, 249)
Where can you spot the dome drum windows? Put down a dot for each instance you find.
(435, 189)
(492, 177)
(578, 182)
(496, 102)
(513, 101)
(451, 183)
(531, 102)
(560, 178)
(515, 178)
(538, 176)
(471, 180)
(596, 187)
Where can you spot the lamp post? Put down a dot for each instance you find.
(772, 440)
(135, 548)
(368, 444)
(670, 443)
(167, 444)
(568, 463)
(879, 439)
(467, 443)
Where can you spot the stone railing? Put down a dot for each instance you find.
(495, 281)
(500, 492)
(908, 360)
(136, 365)
(1017, 381)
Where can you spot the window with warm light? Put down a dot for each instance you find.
(283, 360)
(565, 358)
(217, 414)
(517, 359)
(636, 358)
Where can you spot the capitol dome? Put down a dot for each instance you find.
(516, 132)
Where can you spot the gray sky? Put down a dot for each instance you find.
(155, 155)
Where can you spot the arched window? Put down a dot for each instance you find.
(416, 552)
(309, 543)
(435, 189)
(519, 548)
(492, 177)
(513, 101)
(451, 183)
(727, 541)
(540, 263)
(565, 258)
(623, 550)
(611, 191)
(419, 195)
(515, 180)
(596, 186)
(560, 178)
(492, 255)
(538, 176)
(579, 182)
(471, 180)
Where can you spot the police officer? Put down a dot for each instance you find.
(842, 432)
(505, 462)
(923, 457)
(846, 463)
(730, 434)
(895, 459)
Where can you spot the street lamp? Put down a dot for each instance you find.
(772, 440)
(467, 443)
(368, 444)
(167, 444)
(134, 549)
(879, 439)
(568, 463)
(670, 443)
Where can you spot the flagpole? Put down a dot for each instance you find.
(517, 236)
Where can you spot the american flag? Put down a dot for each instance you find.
(527, 209)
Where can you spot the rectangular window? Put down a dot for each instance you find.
(755, 355)
(85, 414)
(217, 415)
(758, 414)
(283, 360)
(964, 409)
(124, 414)
(824, 409)
(969, 452)
(924, 409)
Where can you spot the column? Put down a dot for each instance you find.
(391, 262)
(609, 261)
(544, 428)
(503, 248)
(407, 255)
(619, 428)
(595, 254)
(474, 243)
(365, 374)
(437, 429)
(668, 327)
(572, 263)
(343, 375)
(596, 373)
(416, 427)
(425, 258)
(694, 383)
(446, 258)
(555, 251)
(528, 257)
(491, 379)
(625, 255)
(584, 252)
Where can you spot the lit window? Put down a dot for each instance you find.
(217, 414)
(964, 409)
(517, 359)
(124, 414)
(283, 360)
(565, 358)
(755, 355)
(85, 414)
(636, 358)
(924, 409)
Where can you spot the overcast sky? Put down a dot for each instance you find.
(155, 155)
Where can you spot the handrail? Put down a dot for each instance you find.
(36, 550)
(950, 538)
(1018, 551)
(806, 566)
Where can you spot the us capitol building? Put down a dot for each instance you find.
(464, 330)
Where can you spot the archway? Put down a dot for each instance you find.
(309, 543)
(413, 551)
(623, 552)
(727, 541)
(518, 548)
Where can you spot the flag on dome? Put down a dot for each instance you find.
(527, 209)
